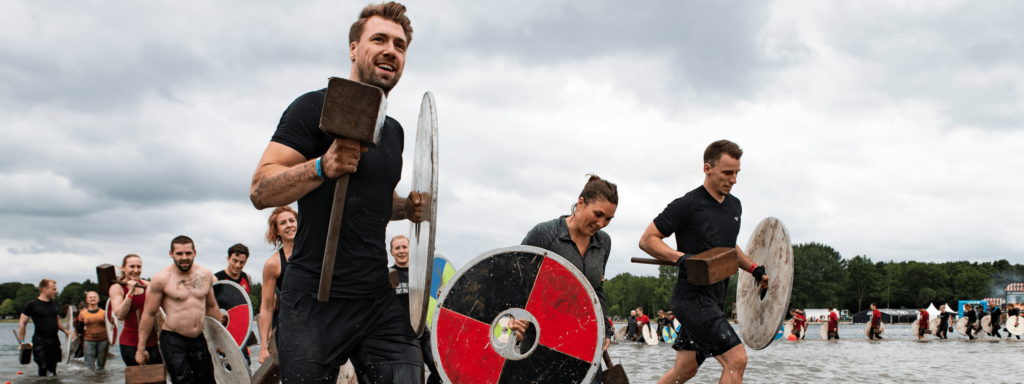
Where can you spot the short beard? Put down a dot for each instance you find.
(177, 264)
(369, 76)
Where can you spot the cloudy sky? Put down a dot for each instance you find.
(886, 129)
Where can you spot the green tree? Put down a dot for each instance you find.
(72, 294)
(25, 294)
(7, 308)
(819, 276)
(255, 296)
(862, 279)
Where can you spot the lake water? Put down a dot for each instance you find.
(898, 358)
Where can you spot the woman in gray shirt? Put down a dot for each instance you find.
(579, 239)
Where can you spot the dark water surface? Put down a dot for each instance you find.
(898, 359)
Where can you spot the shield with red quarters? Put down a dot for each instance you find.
(112, 324)
(232, 300)
(471, 338)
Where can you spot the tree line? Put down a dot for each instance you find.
(822, 277)
(14, 296)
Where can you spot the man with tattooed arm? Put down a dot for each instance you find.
(183, 290)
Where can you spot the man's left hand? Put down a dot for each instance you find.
(414, 207)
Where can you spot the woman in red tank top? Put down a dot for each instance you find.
(127, 299)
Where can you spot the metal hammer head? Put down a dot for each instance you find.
(354, 111)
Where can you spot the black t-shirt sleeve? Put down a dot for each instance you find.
(299, 127)
(673, 218)
(30, 309)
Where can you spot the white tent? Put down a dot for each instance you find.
(950, 309)
(932, 311)
(816, 314)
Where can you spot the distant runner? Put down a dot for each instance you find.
(400, 251)
(1012, 316)
(184, 291)
(833, 324)
(876, 323)
(972, 318)
(799, 323)
(922, 323)
(994, 320)
(631, 327)
(943, 331)
(45, 316)
(95, 336)
(641, 321)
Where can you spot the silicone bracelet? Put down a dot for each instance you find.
(320, 169)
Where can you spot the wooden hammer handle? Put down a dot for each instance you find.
(333, 233)
(644, 260)
(607, 360)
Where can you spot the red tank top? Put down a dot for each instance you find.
(130, 335)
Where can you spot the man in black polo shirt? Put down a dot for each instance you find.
(46, 316)
(238, 256)
(363, 320)
(704, 218)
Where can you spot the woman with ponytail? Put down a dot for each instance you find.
(578, 237)
(127, 298)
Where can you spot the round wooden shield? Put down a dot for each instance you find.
(69, 324)
(867, 327)
(1015, 325)
(933, 325)
(232, 300)
(620, 334)
(112, 324)
(675, 323)
(823, 331)
(651, 334)
(986, 324)
(789, 329)
(915, 327)
(961, 325)
(668, 335)
(228, 364)
(472, 343)
(422, 234)
(759, 318)
(443, 272)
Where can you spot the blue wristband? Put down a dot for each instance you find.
(320, 169)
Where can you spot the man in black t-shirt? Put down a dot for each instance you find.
(238, 255)
(632, 329)
(363, 320)
(46, 316)
(706, 217)
(994, 320)
(400, 251)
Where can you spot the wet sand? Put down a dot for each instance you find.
(898, 358)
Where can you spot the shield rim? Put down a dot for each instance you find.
(419, 321)
(746, 281)
(986, 326)
(211, 324)
(69, 324)
(823, 332)
(248, 303)
(595, 364)
(113, 329)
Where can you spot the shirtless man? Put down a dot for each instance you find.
(183, 290)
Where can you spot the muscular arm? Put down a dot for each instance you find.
(268, 303)
(403, 208)
(652, 242)
(282, 177)
(22, 322)
(154, 297)
(212, 309)
(118, 304)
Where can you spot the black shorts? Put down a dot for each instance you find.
(128, 355)
(703, 328)
(187, 359)
(46, 355)
(315, 338)
(921, 331)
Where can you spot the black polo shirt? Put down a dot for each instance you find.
(700, 223)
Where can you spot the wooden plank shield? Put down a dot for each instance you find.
(472, 343)
(933, 326)
(233, 301)
(69, 324)
(650, 334)
(759, 318)
(422, 234)
(228, 364)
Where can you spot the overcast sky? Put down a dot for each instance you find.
(886, 129)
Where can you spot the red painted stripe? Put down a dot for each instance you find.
(465, 350)
(564, 311)
(237, 325)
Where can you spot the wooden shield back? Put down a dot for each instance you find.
(422, 234)
(823, 332)
(1015, 325)
(228, 364)
(760, 319)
